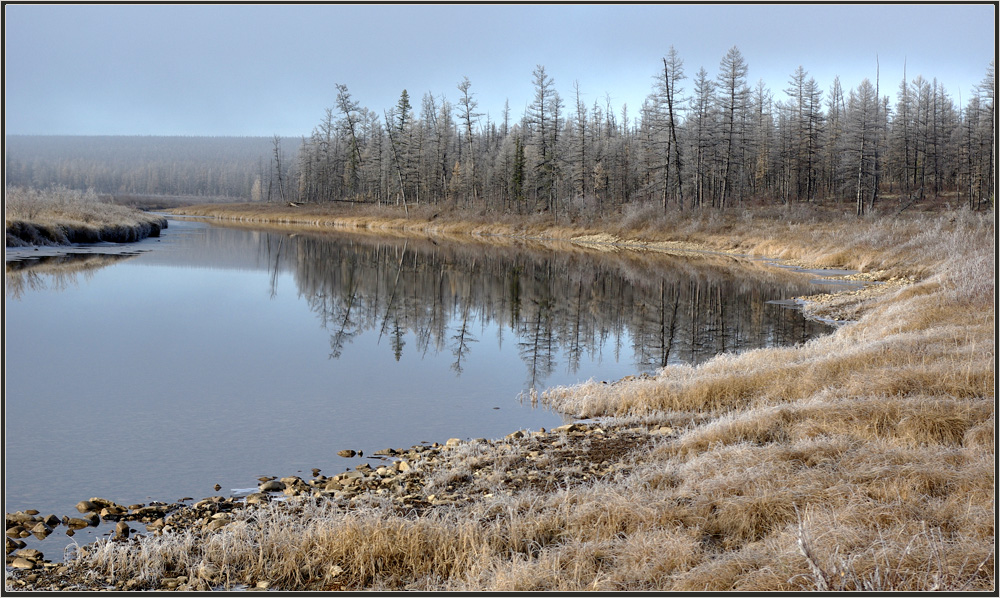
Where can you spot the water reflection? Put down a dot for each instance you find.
(218, 355)
(563, 305)
(55, 273)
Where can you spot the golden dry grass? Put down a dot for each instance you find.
(63, 216)
(863, 460)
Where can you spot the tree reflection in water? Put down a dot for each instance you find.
(560, 302)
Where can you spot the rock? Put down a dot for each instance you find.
(217, 487)
(569, 428)
(31, 554)
(272, 486)
(19, 517)
(41, 530)
(402, 466)
(217, 524)
(122, 530)
(452, 442)
(112, 512)
(86, 506)
(256, 498)
(155, 526)
(149, 513)
(346, 453)
(76, 523)
(12, 545)
(22, 563)
(51, 520)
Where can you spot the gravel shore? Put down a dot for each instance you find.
(416, 480)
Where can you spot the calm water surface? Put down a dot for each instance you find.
(217, 355)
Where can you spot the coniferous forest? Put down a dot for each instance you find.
(698, 141)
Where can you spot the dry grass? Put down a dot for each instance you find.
(62, 216)
(863, 460)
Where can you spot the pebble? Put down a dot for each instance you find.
(574, 452)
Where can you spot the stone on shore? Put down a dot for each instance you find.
(22, 563)
(272, 486)
(86, 506)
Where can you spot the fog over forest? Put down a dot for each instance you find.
(699, 140)
(142, 165)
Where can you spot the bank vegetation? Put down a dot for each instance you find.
(60, 216)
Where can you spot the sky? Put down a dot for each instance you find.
(266, 69)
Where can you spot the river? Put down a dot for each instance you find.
(215, 355)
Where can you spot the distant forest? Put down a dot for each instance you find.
(718, 142)
(696, 142)
(225, 167)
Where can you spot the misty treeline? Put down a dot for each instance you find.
(142, 165)
(698, 141)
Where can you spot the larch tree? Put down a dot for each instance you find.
(467, 106)
(733, 92)
(541, 125)
(665, 124)
(861, 107)
(701, 120)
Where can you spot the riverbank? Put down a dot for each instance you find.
(882, 248)
(64, 217)
(863, 460)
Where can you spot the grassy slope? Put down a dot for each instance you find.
(861, 460)
(61, 217)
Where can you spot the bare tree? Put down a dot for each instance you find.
(467, 113)
(733, 94)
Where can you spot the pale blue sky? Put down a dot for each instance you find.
(197, 69)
